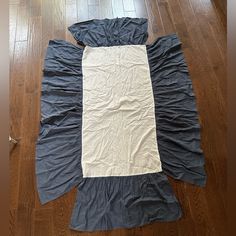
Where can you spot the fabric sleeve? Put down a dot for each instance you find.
(178, 129)
(110, 32)
(58, 149)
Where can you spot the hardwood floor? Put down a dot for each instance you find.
(202, 30)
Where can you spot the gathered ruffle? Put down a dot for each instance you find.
(110, 32)
(106, 203)
(178, 129)
(58, 151)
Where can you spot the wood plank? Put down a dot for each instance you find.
(62, 210)
(47, 23)
(186, 224)
(22, 24)
(71, 12)
(130, 14)
(200, 212)
(179, 23)
(35, 8)
(24, 226)
(217, 27)
(12, 222)
(17, 80)
(222, 5)
(93, 12)
(82, 9)
(209, 49)
(140, 8)
(222, 15)
(43, 222)
(166, 16)
(118, 8)
(209, 150)
(71, 18)
(155, 26)
(128, 5)
(59, 19)
(105, 9)
(203, 10)
(13, 10)
(93, 2)
(14, 2)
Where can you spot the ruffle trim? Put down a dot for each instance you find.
(178, 129)
(124, 202)
(58, 150)
(110, 32)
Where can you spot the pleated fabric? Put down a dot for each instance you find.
(58, 150)
(111, 32)
(105, 203)
(178, 129)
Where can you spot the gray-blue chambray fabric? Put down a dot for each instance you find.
(111, 32)
(106, 203)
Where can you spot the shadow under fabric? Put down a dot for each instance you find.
(105, 203)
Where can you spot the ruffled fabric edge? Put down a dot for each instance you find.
(58, 148)
(178, 129)
(107, 203)
(110, 32)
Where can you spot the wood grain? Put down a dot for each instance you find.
(222, 6)
(201, 26)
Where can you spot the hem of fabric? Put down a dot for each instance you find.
(166, 50)
(96, 20)
(127, 202)
(43, 200)
(199, 183)
(179, 216)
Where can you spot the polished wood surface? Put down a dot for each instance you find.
(202, 30)
(222, 6)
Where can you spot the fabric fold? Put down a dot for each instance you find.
(124, 202)
(58, 151)
(110, 32)
(178, 129)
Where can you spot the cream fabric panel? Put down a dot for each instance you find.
(119, 130)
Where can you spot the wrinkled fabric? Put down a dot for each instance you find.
(58, 150)
(105, 203)
(178, 129)
(118, 113)
(110, 32)
(124, 202)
